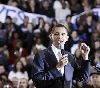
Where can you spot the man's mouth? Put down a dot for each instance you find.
(60, 41)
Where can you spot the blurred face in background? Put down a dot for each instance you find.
(46, 4)
(15, 82)
(97, 44)
(38, 41)
(68, 19)
(95, 80)
(98, 27)
(74, 35)
(80, 84)
(32, 3)
(54, 22)
(2, 69)
(98, 2)
(89, 19)
(23, 83)
(19, 66)
(85, 2)
(26, 20)
(77, 53)
(30, 27)
(41, 22)
(97, 54)
(47, 27)
(8, 20)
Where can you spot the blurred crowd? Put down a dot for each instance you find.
(19, 43)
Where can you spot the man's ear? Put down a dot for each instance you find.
(67, 38)
(50, 36)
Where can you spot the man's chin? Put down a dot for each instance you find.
(60, 42)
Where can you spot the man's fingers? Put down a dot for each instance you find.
(65, 60)
(62, 62)
(84, 47)
(64, 56)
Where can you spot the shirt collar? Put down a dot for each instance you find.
(55, 50)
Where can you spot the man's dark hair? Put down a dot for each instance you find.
(59, 25)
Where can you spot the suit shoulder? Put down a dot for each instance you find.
(41, 53)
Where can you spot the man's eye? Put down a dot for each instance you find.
(56, 34)
(59, 34)
(63, 33)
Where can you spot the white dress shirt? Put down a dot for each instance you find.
(58, 55)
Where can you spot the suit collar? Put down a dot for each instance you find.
(52, 55)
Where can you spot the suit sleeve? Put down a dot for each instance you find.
(38, 68)
(82, 72)
(41, 69)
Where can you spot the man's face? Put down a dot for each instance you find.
(96, 79)
(2, 69)
(24, 83)
(59, 36)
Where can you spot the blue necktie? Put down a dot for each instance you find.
(62, 51)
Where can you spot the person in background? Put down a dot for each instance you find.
(94, 78)
(47, 9)
(8, 84)
(23, 83)
(1, 83)
(3, 57)
(39, 45)
(18, 73)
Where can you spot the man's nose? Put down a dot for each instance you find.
(60, 36)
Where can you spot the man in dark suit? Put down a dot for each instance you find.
(54, 67)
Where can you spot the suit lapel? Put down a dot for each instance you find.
(68, 69)
(52, 56)
(53, 61)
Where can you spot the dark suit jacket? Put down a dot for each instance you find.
(45, 72)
